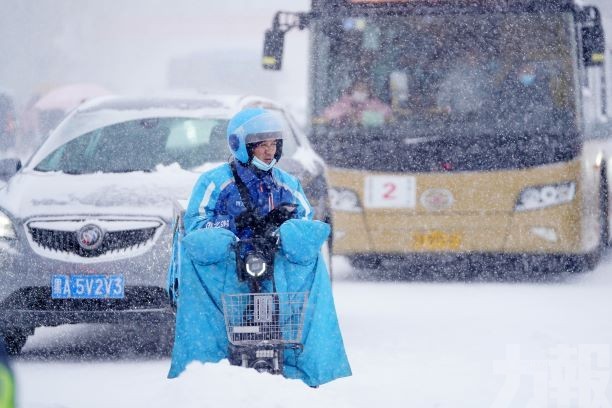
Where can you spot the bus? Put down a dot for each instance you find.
(486, 138)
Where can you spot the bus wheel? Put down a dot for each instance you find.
(365, 262)
(14, 339)
(592, 259)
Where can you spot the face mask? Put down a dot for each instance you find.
(360, 96)
(262, 165)
(527, 79)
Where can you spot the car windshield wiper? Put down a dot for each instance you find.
(128, 170)
(91, 171)
(68, 171)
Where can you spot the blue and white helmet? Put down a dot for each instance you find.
(252, 125)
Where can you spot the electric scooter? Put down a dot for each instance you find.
(263, 323)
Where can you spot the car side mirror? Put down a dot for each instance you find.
(274, 44)
(8, 168)
(593, 39)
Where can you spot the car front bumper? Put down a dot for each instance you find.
(25, 288)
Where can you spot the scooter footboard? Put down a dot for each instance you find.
(264, 318)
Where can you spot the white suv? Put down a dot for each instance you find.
(86, 224)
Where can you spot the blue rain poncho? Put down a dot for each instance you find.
(207, 268)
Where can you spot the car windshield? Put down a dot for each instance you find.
(144, 144)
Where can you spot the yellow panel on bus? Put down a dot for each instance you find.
(459, 212)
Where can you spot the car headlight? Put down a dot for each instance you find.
(535, 198)
(343, 199)
(6, 227)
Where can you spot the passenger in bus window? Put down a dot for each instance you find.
(467, 87)
(358, 107)
(526, 91)
(412, 82)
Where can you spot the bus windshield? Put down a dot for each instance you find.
(485, 79)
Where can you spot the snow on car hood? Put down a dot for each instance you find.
(32, 193)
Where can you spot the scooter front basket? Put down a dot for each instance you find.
(268, 318)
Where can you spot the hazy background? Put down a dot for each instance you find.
(141, 46)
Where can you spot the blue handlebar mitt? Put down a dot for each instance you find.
(301, 240)
(208, 246)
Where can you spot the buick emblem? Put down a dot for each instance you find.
(437, 199)
(90, 237)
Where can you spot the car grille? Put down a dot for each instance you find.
(67, 240)
(120, 238)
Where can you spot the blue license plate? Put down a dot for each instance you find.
(87, 287)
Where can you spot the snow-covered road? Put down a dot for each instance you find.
(411, 344)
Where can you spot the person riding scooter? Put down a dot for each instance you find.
(255, 138)
(239, 203)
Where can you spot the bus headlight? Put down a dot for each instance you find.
(535, 198)
(343, 199)
(6, 227)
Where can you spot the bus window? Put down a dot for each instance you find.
(471, 78)
(444, 70)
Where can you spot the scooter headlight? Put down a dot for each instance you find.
(255, 265)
